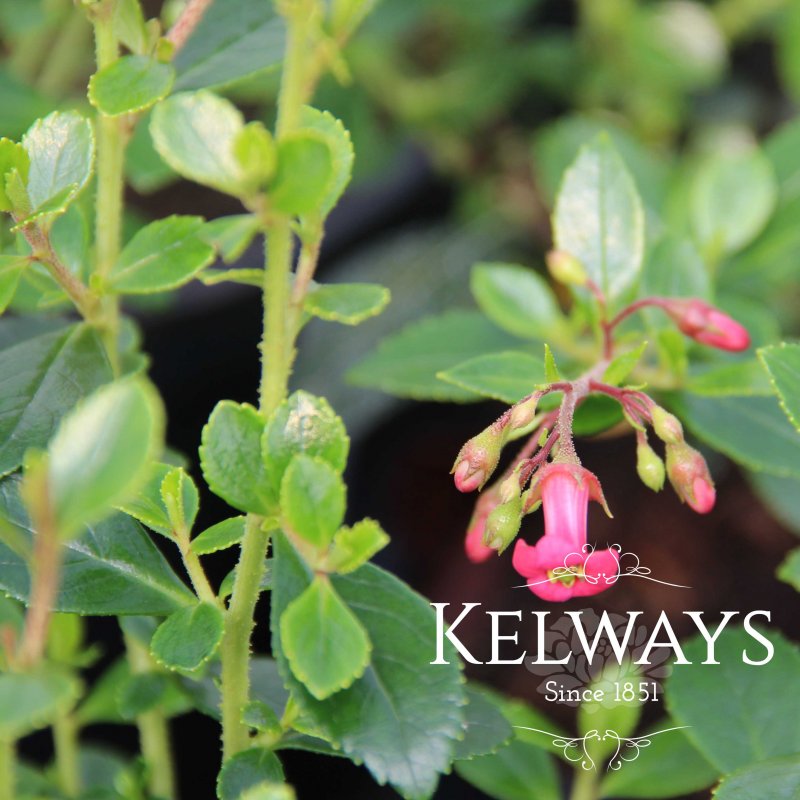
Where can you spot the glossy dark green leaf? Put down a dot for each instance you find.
(507, 376)
(188, 638)
(221, 536)
(781, 496)
(782, 362)
(402, 717)
(486, 729)
(246, 770)
(746, 377)
(774, 779)
(112, 568)
(29, 701)
(347, 303)
(130, 84)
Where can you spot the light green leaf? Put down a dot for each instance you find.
(789, 570)
(551, 373)
(147, 505)
(188, 638)
(745, 377)
(269, 791)
(341, 147)
(258, 715)
(354, 546)
(674, 268)
(402, 717)
(486, 729)
(312, 500)
(30, 701)
(732, 197)
(306, 424)
(13, 156)
(11, 269)
(61, 152)
(407, 363)
(753, 431)
(113, 568)
(102, 451)
(774, 779)
(783, 364)
(622, 366)
(145, 170)
(180, 498)
(507, 377)
(599, 220)
(163, 255)
(231, 236)
(130, 84)
(324, 643)
(194, 133)
(246, 770)
(516, 299)
(129, 25)
(348, 303)
(255, 150)
(735, 714)
(221, 536)
(304, 177)
(230, 457)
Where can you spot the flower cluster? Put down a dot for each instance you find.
(547, 471)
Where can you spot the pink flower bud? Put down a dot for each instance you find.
(523, 413)
(477, 551)
(707, 324)
(478, 458)
(688, 473)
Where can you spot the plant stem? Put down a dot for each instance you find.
(154, 738)
(65, 735)
(197, 574)
(585, 786)
(186, 23)
(8, 758)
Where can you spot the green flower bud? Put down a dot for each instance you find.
(502, 525)
(566, 269)
(649, 466)
(667, 426)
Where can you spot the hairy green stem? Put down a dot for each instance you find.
(197, 574)
(8, 758)
(65, 737)
(585, 786)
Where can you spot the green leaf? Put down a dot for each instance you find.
(147, 505)
(325, 645)
(163, 255)
(407, 363)
(347, 303)
(783, 364)
(44, 377)
(674, 268)
(789, 570)
(341, 147)
(13, 156)
(113, 568)
(596, 414)
(486, 727)
(715, 379)
(29, 701)
(61, 152)
(269, 791)
(180, 498)
(11, 269)
(230, 236)
(551, 373)
(732, 197)
(130, 84)
(402, 716)
(312, 500)
(195, 133)
(145, 170)
(246, 770)
(516, 299)
(303, 423)
(188, 638)
(259, 716)
(140, 693)
(507, 377)
(753, 431)
(781, 496)
(234, 39)
(221, 536)
(129, 25)
(775, 779)
(304, 176)
(354, 546)
(102, 451)
(256, 153)
(622, 366)
(230, 457)
(668, 767)
(599, 220)
(736, 715)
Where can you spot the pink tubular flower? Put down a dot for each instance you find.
(707, 324)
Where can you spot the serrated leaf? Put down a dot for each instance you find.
(13, 156)
(783, 364)
(188, 638)
(61, 152)
(325, 645)
(516, 299)
(721, 703)
(130, 84)
(312, 500)
(102, 451)
(341, 147)
(230, 457)
(347, 303)
(147, 505)
(622, 366)
(551, 373)
(486, 729)
(194, 133)
(258, 715)
(140, 693)
(221, 536)
(599, 220)
(774, 779)
(402, 717)
(303, 423)
(163, 255)
(112, 568)
(789, 569)
(231, 236)
(507, 377)
(304, 176)
(246, 770)
(180, 498)
(354, 546)
(407, 363)
(30, 701)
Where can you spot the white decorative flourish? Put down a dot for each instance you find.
(578, 570)
(576, 751)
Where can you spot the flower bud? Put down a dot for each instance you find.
(565, 268)
(649, 466)
(524, 412)
(667, 426)
(707, 324)
(477, 552)
(478, 458)
(688, 473)
(503, 523)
